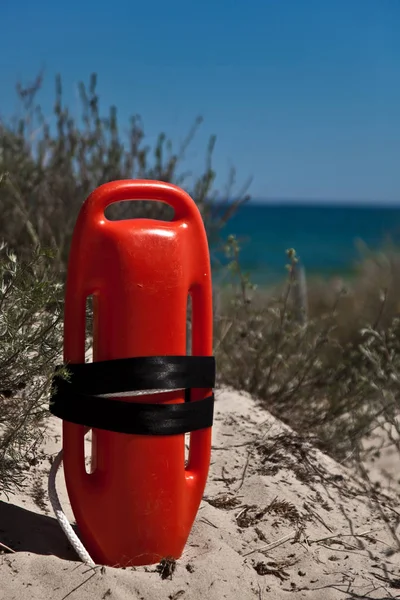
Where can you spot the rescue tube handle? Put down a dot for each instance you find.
(140, 189)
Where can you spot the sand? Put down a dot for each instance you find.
(279, 519)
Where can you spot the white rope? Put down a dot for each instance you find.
(61, 518)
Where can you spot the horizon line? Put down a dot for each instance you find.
(376, 203)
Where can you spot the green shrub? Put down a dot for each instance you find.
(331, 377)
(30, 347)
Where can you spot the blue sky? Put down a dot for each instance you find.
(303, 95)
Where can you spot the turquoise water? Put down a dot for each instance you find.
(325, 237)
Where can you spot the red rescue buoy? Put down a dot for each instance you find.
(139, 503)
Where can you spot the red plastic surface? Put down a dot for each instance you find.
(139, 503)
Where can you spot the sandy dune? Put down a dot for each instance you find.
(279, 519)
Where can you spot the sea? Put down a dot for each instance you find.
(329, 239)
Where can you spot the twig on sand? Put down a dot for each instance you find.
(340, 535)
(393, 510)
(6, 548)
(272, 545)
(259, 592)
(233, 446)
(79, 586)
(208, 522)
(244, 471)
(317, 516)
(241, 512)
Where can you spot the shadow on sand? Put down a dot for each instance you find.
(26, 531)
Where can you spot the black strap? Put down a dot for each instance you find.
(143, 373)
(75, 399)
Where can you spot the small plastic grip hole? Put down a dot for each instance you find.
(139, 209)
